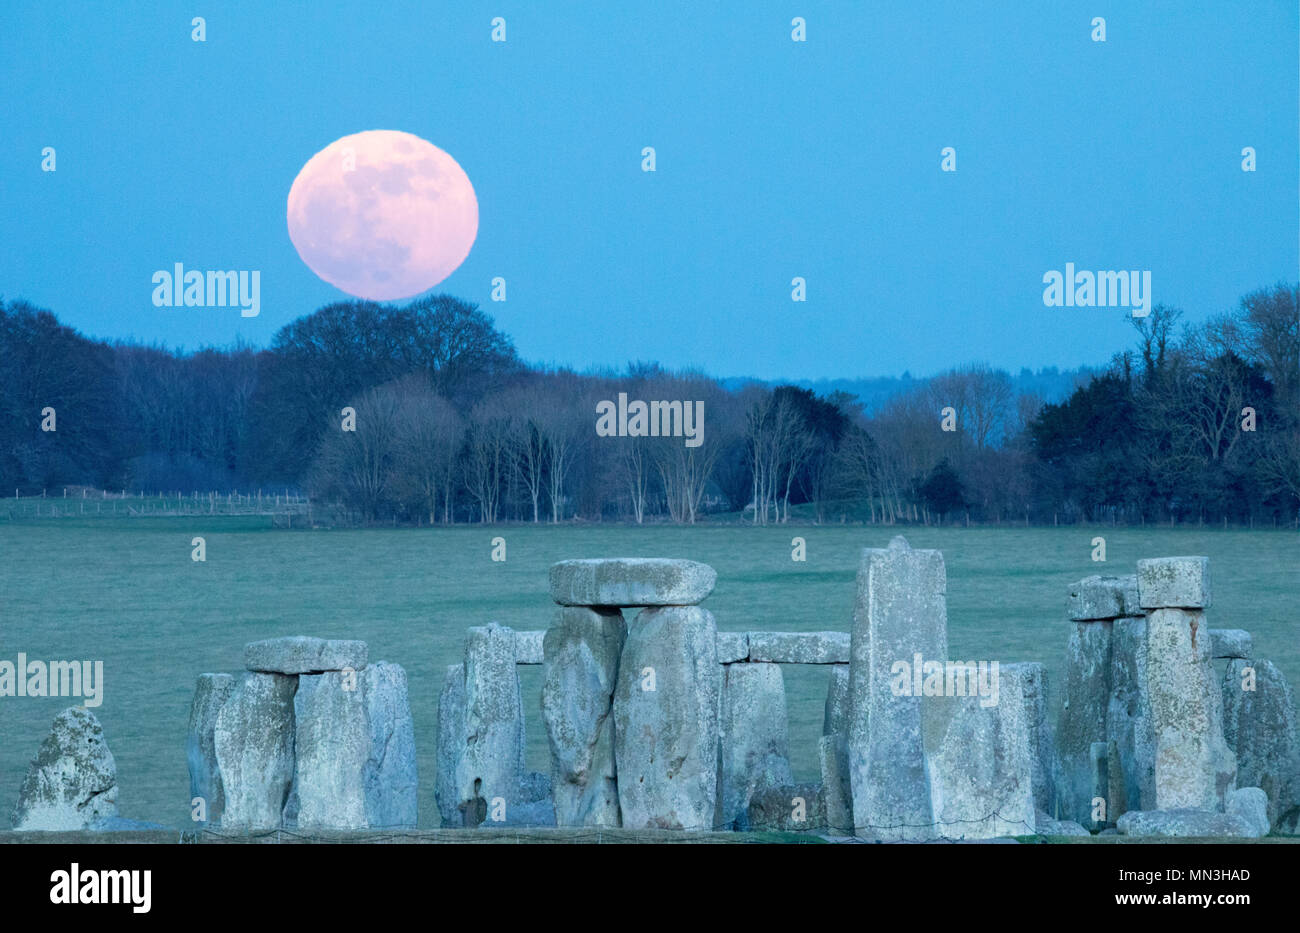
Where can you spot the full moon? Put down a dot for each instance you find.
(382, 214)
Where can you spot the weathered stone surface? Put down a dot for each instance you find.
(530, 806)
(1128, 723)
(1116, 789)
(1098, 597)
(1174, 583)
(1259, 725)
(1194, 767)
(754, 736)
(1046, 762)
(521, 813)
(1230, 643)
(451, 739)
(833, 751)
(1100, 783)
(535, 787)
(72, 781)
(800, 647)
(1251, 804)
(582, 651)
(1050, 827)
(666, 738)
(631, 581)
(122, 824)
(254, 739)
(836, 719)
(1083, 713)
(392, 780)
(787, 808)
(1185, 823)
(983, 757)
(331, 747)
(732, 646)
(490, 763)
(210, 694)
(300, 654)
(1288, 822)
(528, 647)
(833, 756)
(900, 612)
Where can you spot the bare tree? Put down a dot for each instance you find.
(359, 464)
(779, 443)
(488, 444)
(981, 398)
(685, 471)
(527, 443)
(634, 462)
(1027, 407)
(1271, 320)
(1209, 388)
(1155, 335)
(429, 433)
(764, 455)
(858, 468)
(558, 427)
(908, 431)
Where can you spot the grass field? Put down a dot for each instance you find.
(125, 591)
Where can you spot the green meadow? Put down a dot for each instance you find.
(125, 591)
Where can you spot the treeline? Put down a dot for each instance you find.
(425, 414)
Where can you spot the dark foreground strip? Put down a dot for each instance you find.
(325, 876)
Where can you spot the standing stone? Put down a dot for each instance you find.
(490, 767)
(833, 756)
(523, 812)
(1259, 725)
(1100, 783)
(1042, 739)
(1116, 789)
(332, 746)
(900, 613)
(535, 787)
(837, 716)
(581, 652)
(1083, 713)
(833, 751)
(787, 808)
(391, 775)
(1251, 805)
(631, 581)
(754, 735)
(451, 740)
(666, 721)
(72, 782)
(254, 738)
(1194, 768)
(982, 771)
(210, 694)
(1128, 721)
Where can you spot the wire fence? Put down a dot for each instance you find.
(85, 502)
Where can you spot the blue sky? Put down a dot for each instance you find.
(775, 159)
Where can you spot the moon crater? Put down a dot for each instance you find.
(382, 215)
